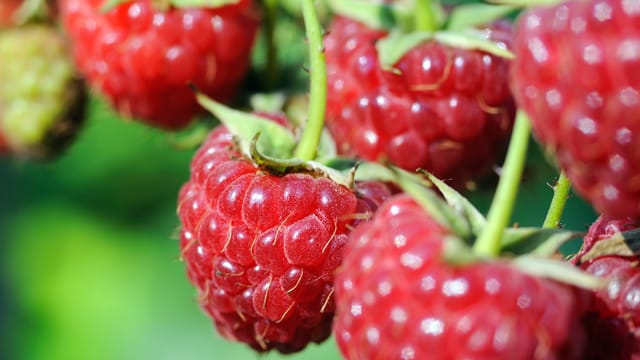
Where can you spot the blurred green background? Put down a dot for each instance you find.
(89, 257)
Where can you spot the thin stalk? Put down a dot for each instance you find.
(490, 240)
(560, 196)
(308, 145)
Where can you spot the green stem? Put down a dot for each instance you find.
(490, 240)
(425, 18)
(308, 145)
(272, 70)
(560, 195)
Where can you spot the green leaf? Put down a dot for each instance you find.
(393, 47)
(460, 204)
(275, 140)
(472, 40)
(557, 270)
(375, 15)
(471, 15)
(543, 242)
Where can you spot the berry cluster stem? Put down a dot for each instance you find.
(490, 240)
(556, 207)
(308, 145)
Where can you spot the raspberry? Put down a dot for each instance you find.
(41, 98)
(445, 109)
(142, 59)
(575, 75)
(262, 249)
(614, 320)
(396, 298)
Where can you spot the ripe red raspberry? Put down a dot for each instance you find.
(142, 59)
(576, 76)
(617, 305)
(262, 249)
(396, 298)
(445, 109)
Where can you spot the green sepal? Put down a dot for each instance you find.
(419, 188)
(375, 15)
(275, 140)
(471, 15)
(619, 244)
(538, 241)
(472, 39)
(294, 165)
(459, 203)
(558, 270)
(394, 46)
(341, 163)
(456, 252)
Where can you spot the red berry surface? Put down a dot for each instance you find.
(8, 10)
(443, 109)
(397, 298)
(617, 305)
(142, 58)
(575, 74)
(262, 249)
